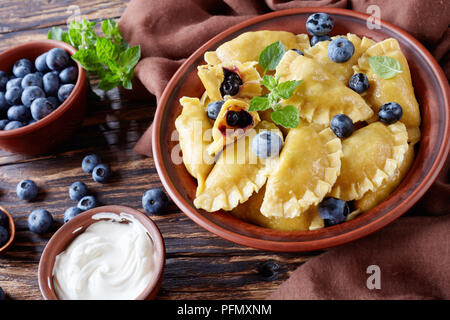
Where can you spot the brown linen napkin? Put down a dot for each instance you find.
(408, 251)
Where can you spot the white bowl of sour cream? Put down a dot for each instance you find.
(107, 253)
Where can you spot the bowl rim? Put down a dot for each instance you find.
(63, 107)
(309, 245)
(150, 291)
(12, 231)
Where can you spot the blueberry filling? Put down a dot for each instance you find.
(240, 119)
(230, 84)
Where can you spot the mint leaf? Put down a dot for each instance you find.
(106, 50)
(259, 104)
(287, 117)
(59, 34)
(271, 56)
(88, 59)
(286, 89)
(111, 30)
(269, 82)
(109, 81)
(130, 57)
(385, 67)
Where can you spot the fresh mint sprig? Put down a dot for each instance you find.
(107, 56)
(385, 67)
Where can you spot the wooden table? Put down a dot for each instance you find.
(199, 264)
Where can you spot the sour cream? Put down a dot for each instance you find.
(109, 260)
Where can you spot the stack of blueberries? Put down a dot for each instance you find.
(34, 90)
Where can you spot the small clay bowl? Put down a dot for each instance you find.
(70, 230)
(11, 230)
(432, 92)
(49, 132)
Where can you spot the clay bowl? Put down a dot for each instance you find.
(432, 92)
(11, 229)
(48, 133)
(70, 230)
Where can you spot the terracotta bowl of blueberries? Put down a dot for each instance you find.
(335, 220)
(42, 96)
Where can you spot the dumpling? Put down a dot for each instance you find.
(397, 89)
(212, 78)
(320, 96)
(342, 71)
(237, 174)
(193, 126)
(249, 45)
(371, 156)
(223, 133)
(372, 198)
(308, 167)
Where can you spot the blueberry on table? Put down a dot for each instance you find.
(40, 108)
(50, 83)
(64, 91)
(240, 119)
(319, 24)
(87, 203)
(154, 200)
(214, 108)
(4, 105)
(13, 95)
(19, 113)
(342, 125)
(13, 125)
(57, 59)
(316, 39)
(333, 211)
(22, 67)
(390, 112)
(78, 190)
(101, 173)
(15, 82)
(3, 80)
(32, 79)
(40, 221)
(30, 94)
(4, 236)
(359, 82)
(27, 190)
(340, 50)
(298, 51)
(69, 75)
(90, 162)
(41, 64)
(71, 213)
(3, 219)
(266, 144)
(3, 123)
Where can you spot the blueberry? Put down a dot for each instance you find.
(298, 51)
(16, 82)
(90, 162)
(27, 190)
(4, 236)
(40, 108)
(359, 82)
(4, 105)
(341, 125)
(266, 144)
(78, 190)
(19, 113)
(101, 173)
(69, 75)
(154, 200)
(41, 64)
(51, 83)
(240, 119)
(71, 213)
(390, 112)
(64, 91)
(32, 79)
(316, 39)
(22, 67)
(40, 221)
(214, 108)
(4, 221)
(13, 95)
(3, 80)
(87, 203)
(340, 50)
(333, 211)
(57, 59)
(30, 94)
(13, 125)
(3, 123)
(54, 101)
(319, 24)
(2, 294)
(230, 84)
